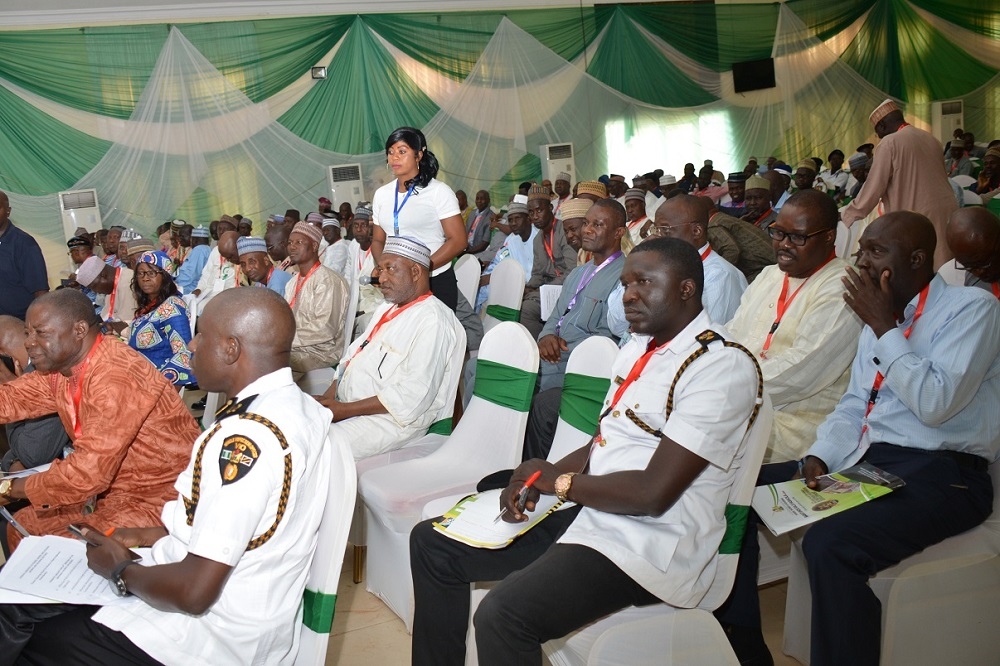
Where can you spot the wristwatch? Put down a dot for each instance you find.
(5, 487)
(562, 485)
(116, 582)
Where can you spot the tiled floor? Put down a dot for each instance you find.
(366, 633)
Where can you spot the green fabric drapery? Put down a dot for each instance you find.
(504, 385)
(318, 610)
(503, 313)
(366, 91)
(829, 18)
(980, 16)
(582, 397)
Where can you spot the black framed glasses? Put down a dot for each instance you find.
(795, 239)
(665, 230)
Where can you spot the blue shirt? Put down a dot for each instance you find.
(190, 271)
(279, 279)
(22, 271)
(941, 388)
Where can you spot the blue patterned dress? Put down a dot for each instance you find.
(162, 336)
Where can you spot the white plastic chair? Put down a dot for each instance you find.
(963, 181)
(489, 437)
(467, 273)
(506, 290)
(592, 358)
(320, 598)
(971, 198)
(663, 634)
(940, 606)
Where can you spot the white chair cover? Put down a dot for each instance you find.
(467, 274)
(963, 181)
(506, 290)
(320, 596)
(971, 199)
(489, 437)
(940, 606)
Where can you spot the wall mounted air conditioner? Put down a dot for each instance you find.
(557, 157)
(346, 185)
(79, 209)
(946, 117)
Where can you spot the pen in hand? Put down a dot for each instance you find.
(522, 495)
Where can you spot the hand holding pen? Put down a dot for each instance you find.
(522, 496)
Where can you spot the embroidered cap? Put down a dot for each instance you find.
(410, 248)
(756, 182)
(77, 241)
(592, 187)
(667, 179)
(633, 193)
(308, 230)
(575, 208)
(882, 110)
(519, 208)
(250, 244)
(200, 232)
(564, 176)
(158, 259)
(89, 270)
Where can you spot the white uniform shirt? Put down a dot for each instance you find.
(674, 555)
(420, 217)
(407, 366)
(724, 286)
(808, 364)
(256, 619)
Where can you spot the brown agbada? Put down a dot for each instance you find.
(136, 437)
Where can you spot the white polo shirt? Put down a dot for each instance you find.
(256, 619)
(674, 555)
(420, 217)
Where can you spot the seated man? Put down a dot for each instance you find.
(582, 308)
(334, 256)
(741, 243)
(362, 263)
(115, 284)
(924, 387)
(574, 217)
(650, 505)
(478, 225)
(794, 318)
(257, 266)
(553, 257)
(318, 298)
(399, 376)
(190, 271)
(130, 430)
(759, 212)
(638, 225)
(241, 530)
(973, 235)
(36, 441)
(518, 246)
(734, 203)
(222, 269)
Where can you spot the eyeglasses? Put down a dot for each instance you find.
(795, 239)
(665, 229)
(146, 275)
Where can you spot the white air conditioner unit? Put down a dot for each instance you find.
(346, 185)
(557, 157)
(79, 209)
(946, 117)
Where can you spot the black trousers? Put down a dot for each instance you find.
(942, 497)
(542, 419)
(445, 288)
(62, 635)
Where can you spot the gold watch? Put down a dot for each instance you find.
(562, 485)
(5, 487)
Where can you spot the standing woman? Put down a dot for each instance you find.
(161, 330)
(418, 205)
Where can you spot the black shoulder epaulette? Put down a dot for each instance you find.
(233, 408)
(707, 337)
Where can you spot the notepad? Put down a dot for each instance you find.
(471, 521)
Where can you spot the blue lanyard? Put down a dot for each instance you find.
(398, 207)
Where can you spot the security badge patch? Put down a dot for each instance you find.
(238, 456)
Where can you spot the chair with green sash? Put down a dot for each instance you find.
(663, 634)
(506, 290)
(489, 437)
(320, 597)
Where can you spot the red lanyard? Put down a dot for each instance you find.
(362, 258)
(785, 302)
(634, 373)
(708, 251)
(633, 223)
(995, 287)
(386, 317)
(114, 292)
(879, 377)
(76, 397)
(761, 218)
(267, 280)
(300, 281)
(548, 248)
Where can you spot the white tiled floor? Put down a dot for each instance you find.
(366, 633)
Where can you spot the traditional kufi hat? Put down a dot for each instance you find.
(77, 241)
(786, 170)
(617, 176)
(737, 177)
(158, 259)
(575, 208)
(632, 193)
(857, 161)
(808, 164)
(515, 207)
(177, 224)
(411, 248)
(756, 182)
(538, 192)
(127, 235)
(324, 200)
(230, 219)
(564, 176)
(882, 110)
(140, 244)
(89, 270)
(200, 232)
(592, 187)
(363, 211)
(314, 218)
(667, 179)
(331, 222)
(249, 244)
(992, 152)
(308, 230)
(752, 159)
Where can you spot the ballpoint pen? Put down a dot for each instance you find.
(522, 495)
